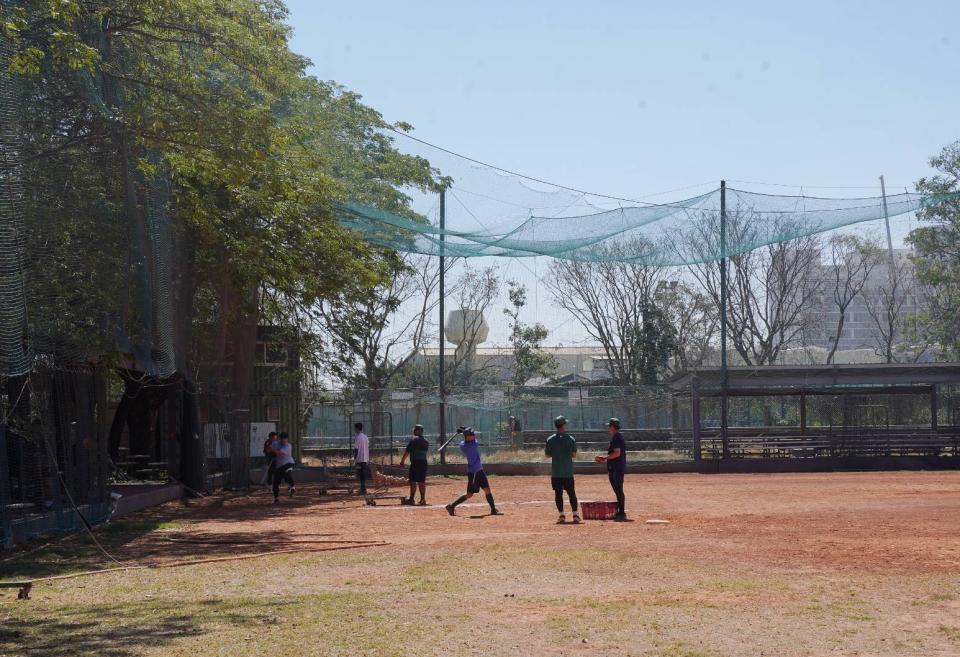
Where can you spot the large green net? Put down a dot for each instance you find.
(679, 233)
(493, 212)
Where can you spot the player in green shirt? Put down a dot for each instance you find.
(562, 449)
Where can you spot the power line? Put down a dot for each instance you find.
(538, 180)
(767, 184)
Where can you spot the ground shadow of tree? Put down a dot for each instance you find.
(121, 630)
(163, 534)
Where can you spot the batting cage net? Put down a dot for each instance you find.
(494, 212)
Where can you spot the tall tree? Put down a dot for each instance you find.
(694, 322)
(768, 288)
(851, 260)
(892, 306)
(374, 332)
(526, 340)
(192, 123)
(937, 244)
(614, 303)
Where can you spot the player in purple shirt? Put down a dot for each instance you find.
(476, 479)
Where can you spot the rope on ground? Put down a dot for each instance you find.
(251, 541)
(197, 562)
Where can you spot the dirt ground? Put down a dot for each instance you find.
(786, 565)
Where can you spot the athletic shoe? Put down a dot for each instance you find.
(576, 518)
(451, 510)
(406, 501)
(620, 517)
(496, 512)
(420, 503)
(292, 490)
(276, 500)
(562, 519)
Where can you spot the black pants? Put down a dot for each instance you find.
(271, 471)
(362, 473)
(561, 484)
(616, 482)
(284, 472)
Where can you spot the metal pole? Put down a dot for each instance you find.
(696, 446)
(724, 438)
(443, 291)
(886, 221)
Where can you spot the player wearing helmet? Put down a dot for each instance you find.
(476, 479)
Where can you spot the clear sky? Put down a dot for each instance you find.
(635, 98)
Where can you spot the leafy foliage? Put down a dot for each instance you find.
(937, 245)
(526, 340)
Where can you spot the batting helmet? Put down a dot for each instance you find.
(468, 431)
(417, 427)
(559, 421)
(613, 422)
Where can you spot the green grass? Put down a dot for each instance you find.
(951, 632)
(680, 649)
(139, 526)
(434, 577)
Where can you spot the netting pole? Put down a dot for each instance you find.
(886, 220)
(442, 428)
(724, 439)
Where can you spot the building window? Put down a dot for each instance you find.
(271, 353)
(273, 412)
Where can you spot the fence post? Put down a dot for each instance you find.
(695, 417)
(6, 533)
(239, 448)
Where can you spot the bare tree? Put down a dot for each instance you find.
(768, 287)
(892, 306)
(852, 260)
(474, 293)
(695, 323)
(614, 302)
(373, 333)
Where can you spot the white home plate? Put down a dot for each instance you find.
(654, 521)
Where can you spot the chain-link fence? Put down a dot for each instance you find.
(512, 423)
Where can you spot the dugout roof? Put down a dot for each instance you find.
(819, 379)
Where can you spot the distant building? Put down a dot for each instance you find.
(587, 364)
(860, 331)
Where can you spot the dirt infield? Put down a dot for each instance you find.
(806, 564)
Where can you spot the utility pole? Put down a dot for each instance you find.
(443, 291)
(886, 220)
(724, 438)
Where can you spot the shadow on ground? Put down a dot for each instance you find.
(121, 630)
(163, 534)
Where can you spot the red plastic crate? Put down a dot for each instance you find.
(598, 510)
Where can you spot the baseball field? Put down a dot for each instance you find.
(748, 565)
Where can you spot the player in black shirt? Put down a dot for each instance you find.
(417, 450)
(616, 460)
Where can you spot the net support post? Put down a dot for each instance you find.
(934, 408)
(442, 423)
(695, 419)
(803, 414)
(724, 378)
(6, 531)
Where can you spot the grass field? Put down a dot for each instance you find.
(817, 564)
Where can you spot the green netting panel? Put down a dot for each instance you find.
(15, 356)
(683, 232)
(495, 212)
(85, 233)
